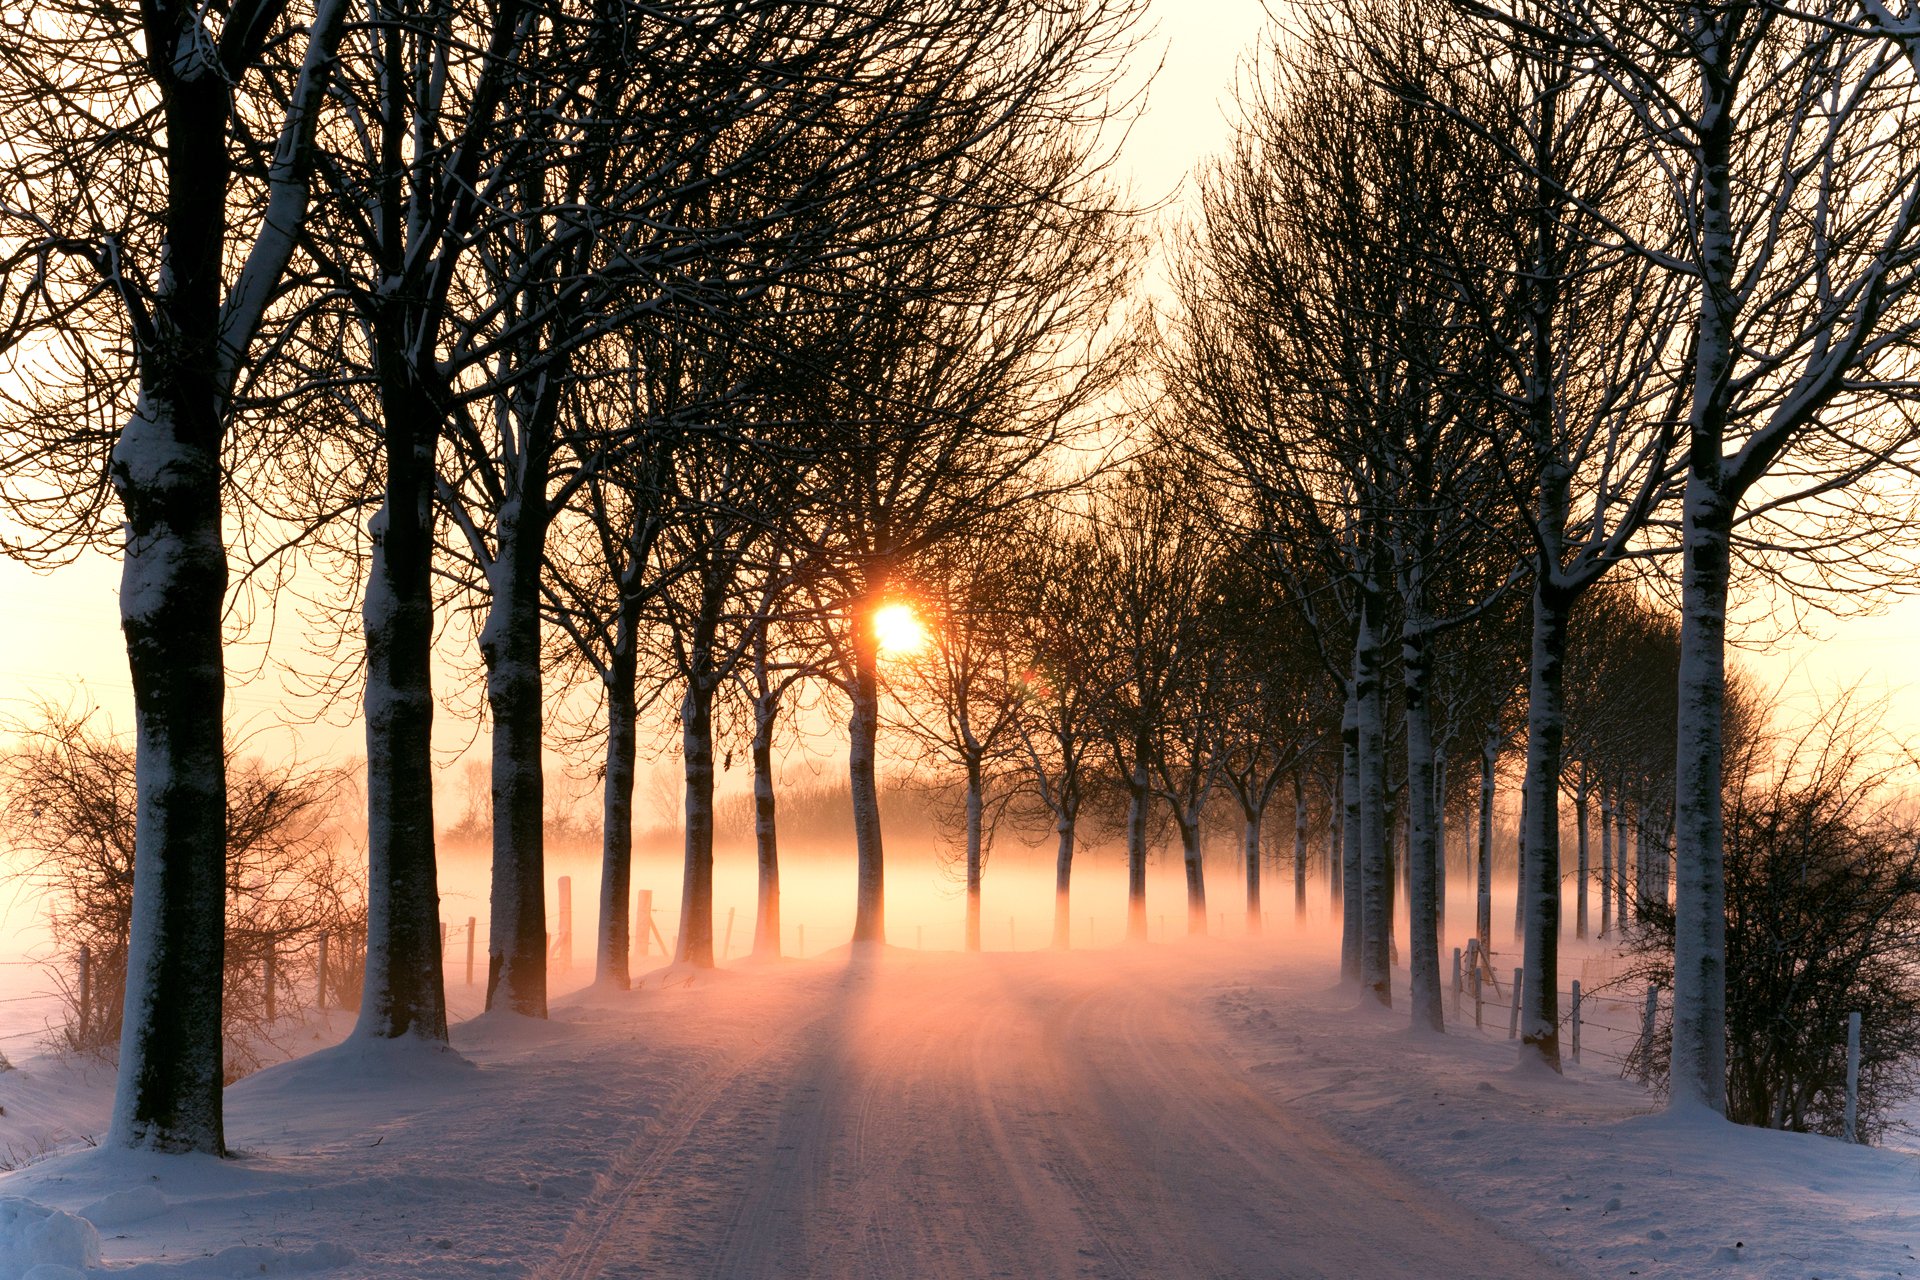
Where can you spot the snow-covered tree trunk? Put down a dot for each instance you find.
(696, 888)
(1138, 795)
(1540, 829)
(613, 949)
(1353, 891)
(863, 728)
(1063, 827)
(1423, 935)
(1483, 887)
(510, 644)
(975, 807)
(1699, 1061)
(1299, 848)
(1581, 805)
(1189, 824)
(402, 991)
(1376, 859)
(1606, 862)
(766, 842)
(166, 468)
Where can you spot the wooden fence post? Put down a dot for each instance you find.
(1576, 1019)
(1513, 1019)
(471, 931)
(726, 944)
(643, 908)
(1456, 980)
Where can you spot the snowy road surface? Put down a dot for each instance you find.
(1010, 1118)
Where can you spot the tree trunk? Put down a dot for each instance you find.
(1620, 885)
(1137, 797)
(1540, 883)
(613, 950)
(1440, 843)
(869, 918)
(1062, 877)
(1580, 809)
(766, 843)
(1350, 828)
(1606, 863)
(402, 992)
(1520, 870)
(1423, 934)
(1699, 1063)
(974, 808)
(1196, 877)
(1483, 888)
(1299, 848)
(1336, 845)
(696, 889)
(1250, 853)
(166, 468)
(510, 643)
(1376, 861)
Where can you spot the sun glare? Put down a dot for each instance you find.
(899, 630)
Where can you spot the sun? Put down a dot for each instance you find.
(898, 630)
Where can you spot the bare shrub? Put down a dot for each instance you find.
(1823, 920)
(67, 805)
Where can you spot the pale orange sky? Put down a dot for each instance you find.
(60, 632)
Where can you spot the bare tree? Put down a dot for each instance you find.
(155, 182)
(1799, 334)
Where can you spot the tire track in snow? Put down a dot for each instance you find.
(636, 1171)
(958, 1118)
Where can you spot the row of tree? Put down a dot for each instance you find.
(668, 345)
(536, 313)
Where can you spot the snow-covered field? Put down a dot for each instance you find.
(1215, 1108)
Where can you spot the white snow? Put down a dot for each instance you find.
(1211, 1108)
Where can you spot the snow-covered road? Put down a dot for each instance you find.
(1007, 1116)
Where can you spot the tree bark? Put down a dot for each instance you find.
(1250, 853)
(1137, 797)
(1540, 884)
(1376, 861)
(974, 807)
(1299, 848)
(1606, 863)
(1062, 878)
(696, 890)
(1580, 814)
(166, 468)
(1353, 892)
(613, 952)
(766, 842)
(1483, 889)
(1423, 933)
(869, 919)
(402, 992)
(510, 644)
(1196, 875)
(1440, 842)
(1699, 1062)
